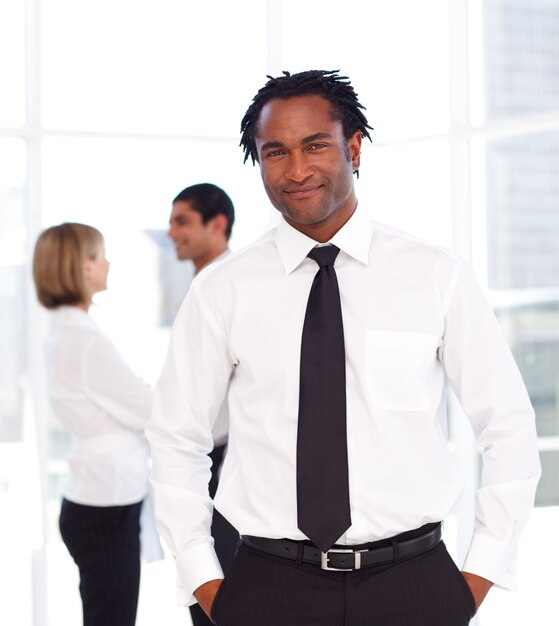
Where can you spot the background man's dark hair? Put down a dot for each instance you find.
(209, 200)
(336, 89)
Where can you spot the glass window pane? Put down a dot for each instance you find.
(548, 487)
(522, 215)
(168, 66)
(408, 186)
(12, 63)
(124, 185)
(125, 188)
(533, 334)
(396, 54)
(521, 57)
(12, 282)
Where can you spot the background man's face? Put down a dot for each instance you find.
(306, 163)
(192, 238)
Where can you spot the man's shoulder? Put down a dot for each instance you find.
(395, 241)
(414, 259)
(239, 262)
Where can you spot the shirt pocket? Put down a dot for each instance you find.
(399, 366)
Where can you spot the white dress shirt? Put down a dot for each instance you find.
(221, 424)
(412, 314)
(103, 405)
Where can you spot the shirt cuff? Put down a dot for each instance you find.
(493, 560)
(196, 566)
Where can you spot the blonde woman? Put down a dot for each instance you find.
(104, 406)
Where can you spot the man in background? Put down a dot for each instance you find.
(200, 226)
(201, 223)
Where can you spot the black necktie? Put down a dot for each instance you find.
(323, 512)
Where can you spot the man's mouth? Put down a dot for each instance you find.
(300, 193)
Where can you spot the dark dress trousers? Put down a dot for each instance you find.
(104, 542)
(266, 590)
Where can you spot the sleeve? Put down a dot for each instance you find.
(112, 385)
(483, 374)
(187, 399)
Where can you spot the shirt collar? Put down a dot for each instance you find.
(354, 238)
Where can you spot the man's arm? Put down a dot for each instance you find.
(486, 380)
(186, 401)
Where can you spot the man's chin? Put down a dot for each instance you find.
(303, 216)
(182, 255)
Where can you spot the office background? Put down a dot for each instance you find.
(108, 109)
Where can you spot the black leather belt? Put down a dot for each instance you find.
(346, 558)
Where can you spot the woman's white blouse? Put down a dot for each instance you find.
(103, 405)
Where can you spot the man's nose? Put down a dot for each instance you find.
(298, 168)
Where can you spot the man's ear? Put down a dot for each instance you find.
(354, 145)
(219, 223)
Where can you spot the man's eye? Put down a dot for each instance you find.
(274, 153)
(317, 146)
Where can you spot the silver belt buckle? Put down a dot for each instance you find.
(324, 560)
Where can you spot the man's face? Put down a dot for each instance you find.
(306, 163)
(192, 238)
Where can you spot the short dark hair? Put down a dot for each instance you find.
(327, 84)
(209, 200)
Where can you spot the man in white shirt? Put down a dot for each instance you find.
(200, 226)
(412, 315)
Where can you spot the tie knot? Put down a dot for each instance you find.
(324, 255)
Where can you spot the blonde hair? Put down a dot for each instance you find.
(58, 263)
